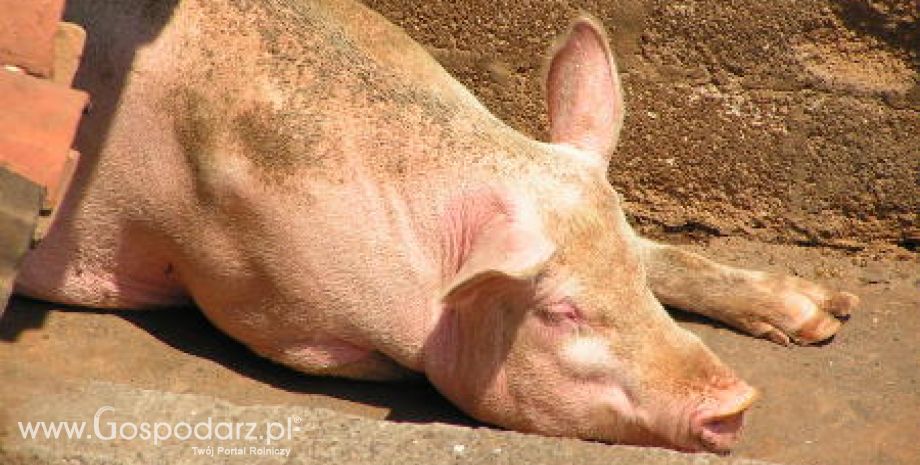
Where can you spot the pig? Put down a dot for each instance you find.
(326, 194)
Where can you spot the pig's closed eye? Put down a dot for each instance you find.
(563, 312)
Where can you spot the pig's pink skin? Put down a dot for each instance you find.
(329, 196)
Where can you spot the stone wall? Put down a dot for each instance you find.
(785, 121)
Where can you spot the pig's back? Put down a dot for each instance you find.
(323, 102)
(306, 85)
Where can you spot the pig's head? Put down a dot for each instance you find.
(548, 324)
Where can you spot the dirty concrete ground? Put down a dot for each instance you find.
(318, 436)
(855, 400)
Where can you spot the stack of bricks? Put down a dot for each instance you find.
(39, 115)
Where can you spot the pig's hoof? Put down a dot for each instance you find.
(825, 319)
(806, 313)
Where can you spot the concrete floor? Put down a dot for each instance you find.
(855, 400)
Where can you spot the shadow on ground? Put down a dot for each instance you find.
(187, 330)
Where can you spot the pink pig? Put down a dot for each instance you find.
(329, 196)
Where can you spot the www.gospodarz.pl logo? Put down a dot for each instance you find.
(104, 428)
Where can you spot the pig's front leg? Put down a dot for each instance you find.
(777, 307)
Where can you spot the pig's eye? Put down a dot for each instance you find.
(563, 312)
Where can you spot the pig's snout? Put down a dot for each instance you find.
(717, 425)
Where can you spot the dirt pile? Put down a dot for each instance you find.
(786, 121)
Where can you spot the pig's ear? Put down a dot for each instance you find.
(583, 92)
(505, 254)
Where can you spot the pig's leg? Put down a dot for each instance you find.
(777, 307)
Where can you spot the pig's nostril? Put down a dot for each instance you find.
(720, 434)
(725, 425)
(719, 428)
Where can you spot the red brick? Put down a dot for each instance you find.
(27, 30)
(37, 126)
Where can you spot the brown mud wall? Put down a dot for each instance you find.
(783, 121)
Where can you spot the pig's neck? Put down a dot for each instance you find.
(422, 225)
